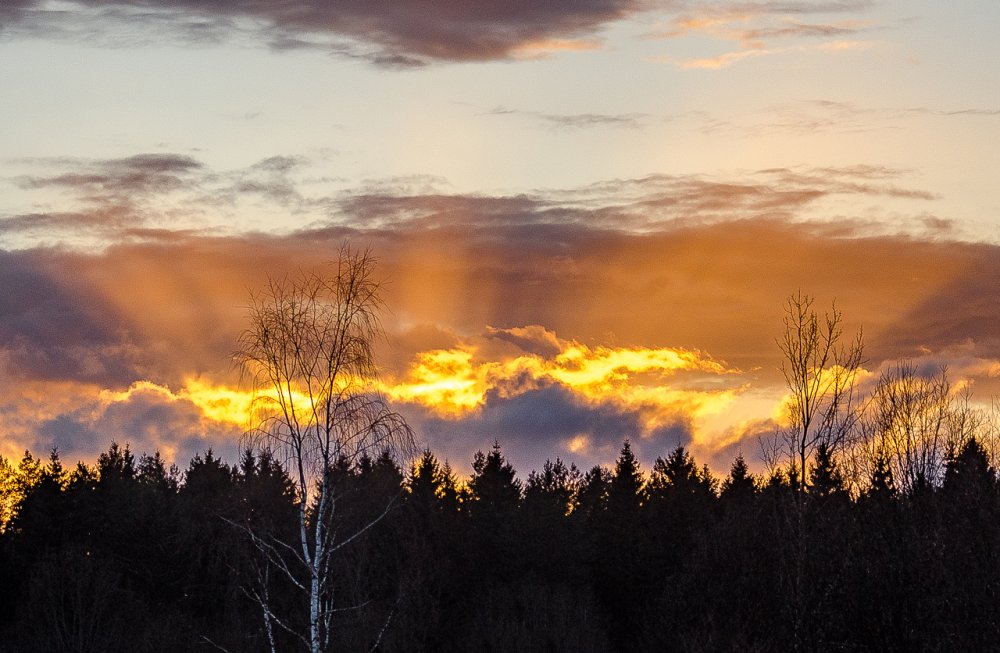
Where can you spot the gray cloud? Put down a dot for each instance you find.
(652, 202)
(54, 327)
(577, 120)
(153, 195)
(392, 34)
(142, 173)
(827, 116)
(147, 421)
(537, 424)
(798, 29)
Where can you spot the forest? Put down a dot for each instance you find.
(132, 555)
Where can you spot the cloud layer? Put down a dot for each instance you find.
(560, 321)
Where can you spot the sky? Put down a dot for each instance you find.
(587, 213)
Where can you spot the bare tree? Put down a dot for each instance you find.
(989, 432)
(906, 424)
(309, 354)
(820, 369)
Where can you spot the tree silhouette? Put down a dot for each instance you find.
(494, 496)
(622, 544)
(740, 486)
(819, 368)
(494, 488)
(626, 491)
(309, 354)
(825, 480)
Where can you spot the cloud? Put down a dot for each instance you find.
(532, 339)
(142, 173)
(54, 327)
(147, 416)
(395, 34)
(548, 394)
(456, 381)
(808, 117)
(794, 28)
(504, 257)
(764, 28)
(645, 307)
(546, 423)
(646, 203)
(578, 120)
(756, 30)
(723, 60)
(91, 202)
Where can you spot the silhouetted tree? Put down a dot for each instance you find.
(553, 491)
(740, 486)
(592, 497)
(819, 370)
(622, 546)
(309, 354)
(494, 488)
(905, 426)
(551, 542)
(494, 496)
(970, 513)
(825, 480)
(626, 490)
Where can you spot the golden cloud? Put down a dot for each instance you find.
(661, 384)
(79, 418)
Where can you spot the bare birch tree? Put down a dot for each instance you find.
(309, 354)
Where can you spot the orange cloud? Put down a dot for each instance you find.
(755, 28)
(635, 291)
(544, 47)
(81, 419)
(723, 60)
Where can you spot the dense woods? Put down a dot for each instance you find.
(129, 554)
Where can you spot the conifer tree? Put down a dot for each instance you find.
(740, 485)
(825, 478)
(626, 490)
(494, 487)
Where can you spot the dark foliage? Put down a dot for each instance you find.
(133, 555)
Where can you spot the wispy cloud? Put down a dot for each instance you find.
(574, 121)
(91, 202)
(806, 117)
(723, 60)
(766, 28)
(157, 197)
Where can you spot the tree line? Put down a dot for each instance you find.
(130, 554)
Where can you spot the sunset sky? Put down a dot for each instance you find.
(587, 213)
